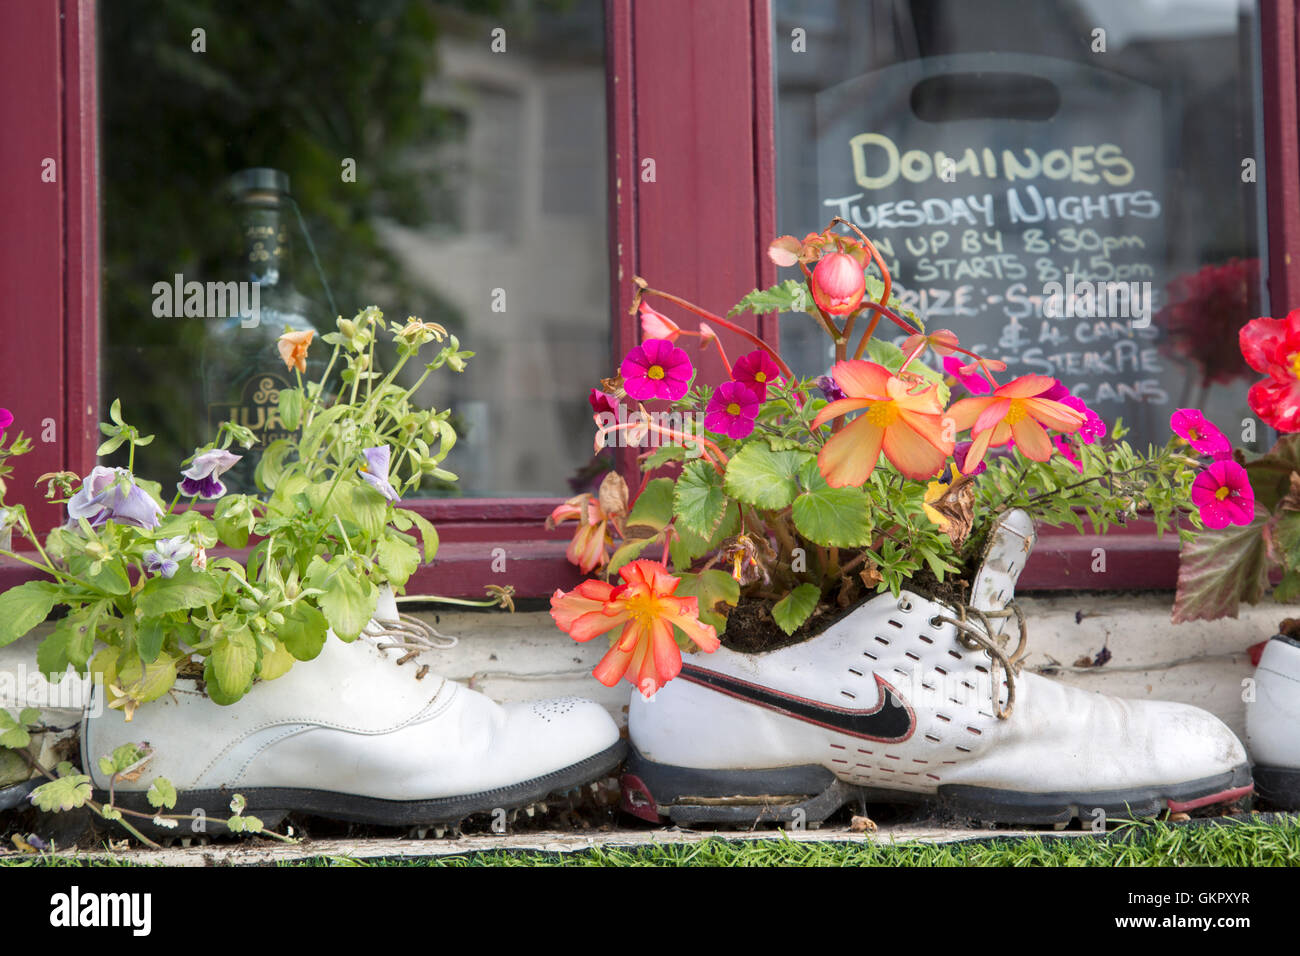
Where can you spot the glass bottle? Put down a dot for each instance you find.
(242, 370)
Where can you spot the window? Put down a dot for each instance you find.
(1075, 187)
(535, 158)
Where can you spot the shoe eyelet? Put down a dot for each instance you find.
(904, 605)
(935, 623)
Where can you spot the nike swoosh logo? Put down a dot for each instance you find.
(891, 721)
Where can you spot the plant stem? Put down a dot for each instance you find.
(726, 324)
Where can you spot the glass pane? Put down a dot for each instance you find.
(1074, 187)
(434, 177)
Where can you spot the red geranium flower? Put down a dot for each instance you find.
(1272, 346)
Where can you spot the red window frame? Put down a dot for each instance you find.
(689, 84)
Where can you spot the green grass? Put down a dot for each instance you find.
(1155, 844)
(1248, 843)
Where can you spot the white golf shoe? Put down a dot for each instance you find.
(354, 736)
(1273, 723)
(911, 700)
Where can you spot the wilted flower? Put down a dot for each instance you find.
(112, 494)
(731, 411)
(375, 471)
(838, 283)
(293, 348)
(830, 389)
(656, 369)
(1223, 495)
(203, 477)
(648, 611)
(166, 555)
(418, 332)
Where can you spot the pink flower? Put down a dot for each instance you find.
(838, 283)
(1063, 446)
(1200, 433)
(656, 325)
(975, 383)
(755, 371)
(6, 419)
(731, 411)
(1093, 427)
(656, 369)
(959, 453)
(1223, 494)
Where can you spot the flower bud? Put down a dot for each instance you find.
(347, 327)
(838, 283)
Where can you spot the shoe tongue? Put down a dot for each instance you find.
(1005, 554)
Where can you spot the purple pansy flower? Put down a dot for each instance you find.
(959, 453)
(656, 369)
(203, 477)
(375, 471)
(167, 554)
(831, 388)
(731, 411)
(112, 494)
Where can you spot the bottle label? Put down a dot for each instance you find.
(257, 408)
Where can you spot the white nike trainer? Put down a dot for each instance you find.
(1273, 723)
(913, 700)
(354, 736)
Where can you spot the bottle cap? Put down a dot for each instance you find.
(258, 179)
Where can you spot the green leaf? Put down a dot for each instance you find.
(662, 456)
(65, 793)
(234, 519)
(23, 607)
(161, 794)
(793, 609)
(233, 660)
(686, 546)
(1217, 570)
(653, 509)
(184, 590)
(52, 655)
(13, 733)
(291, 408)
(122, 758)
(627, 552)
(716, 591)
(767, 479)
(348, 601)
(834, 517)
(397, 556)
(789, 296)
(304, 630)
(428, 534)
(270, 469)
(149, 638)
(699, 501)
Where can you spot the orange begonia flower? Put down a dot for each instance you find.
(645, 607)
(1014, 411)
(588, 548)
(293, 348)
(904, 420)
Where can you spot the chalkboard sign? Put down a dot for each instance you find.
(1018, 201)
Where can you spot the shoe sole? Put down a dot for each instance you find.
(272, 804)
(1280, 786)
(809, 794)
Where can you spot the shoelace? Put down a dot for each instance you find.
(410, 634)
(973, 638)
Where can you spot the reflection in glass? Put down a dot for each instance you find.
(435, 177)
